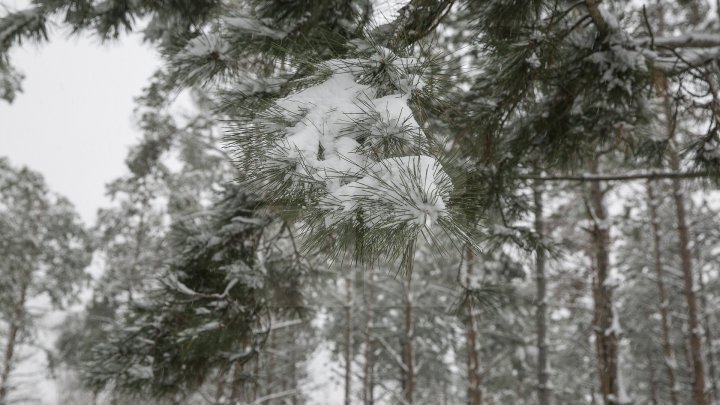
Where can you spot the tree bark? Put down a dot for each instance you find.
(662, 294)
(474, 390)
(15, 327)
(696, 351)
(542, 362)
(606, 340)
(237, 383)
(256, 382)
(698, 385)
(695, 12)
(653, 384)
(270, 366)
(708, 334)
(368, 378)
(220, 387)
(294, 380)
(409, 386)
(348, 336)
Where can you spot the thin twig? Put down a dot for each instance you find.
(618, 177)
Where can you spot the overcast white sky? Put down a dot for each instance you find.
(73, 121)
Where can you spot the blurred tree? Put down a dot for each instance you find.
(44, 250)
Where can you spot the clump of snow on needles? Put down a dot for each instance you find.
(326, 108)
(335, 126)
(410, 189)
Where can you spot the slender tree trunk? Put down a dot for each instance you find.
(542, 363)
(662, 294)
(606, 340)
(285, 376)
(686, 347)
(270, 366)
(409, 388)
(293, 375)
(696, 350)
(653, 384)
(698, 386)
(474, 390)
(348, 335)
(369, 343)
(237, 383)
(256, 379)
(708, 334)
(696, 15)
(12, 339)
(220, 387)
(139, 244)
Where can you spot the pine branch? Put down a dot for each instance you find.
(419, 18)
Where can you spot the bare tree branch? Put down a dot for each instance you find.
(617, 177)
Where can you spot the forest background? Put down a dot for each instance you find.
(565, 151)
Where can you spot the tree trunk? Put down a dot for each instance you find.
(348, 335)
(15, 327)
(662, 294)
(409, 386)
(686, 346)
(696, 351)
(220, 387)
(542, 363)
(237, 383)
(474, 390)
(368, 380)
(270, 366)
(256, 377)
(696, 15)
(698, 385)
(293, 377)
(606, 340)
(708, 334)
(653, 383)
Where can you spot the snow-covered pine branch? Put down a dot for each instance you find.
(347, 153)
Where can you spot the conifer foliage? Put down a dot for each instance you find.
(491, 146)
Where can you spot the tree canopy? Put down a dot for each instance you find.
(477, 150)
